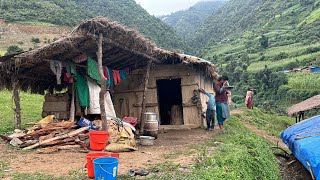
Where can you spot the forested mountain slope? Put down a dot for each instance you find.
(262, 32)
(72, 12)
(187, 22)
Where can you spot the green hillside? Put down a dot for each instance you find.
(276, 34)
(72, 12)
(187, 22)
(251, 41)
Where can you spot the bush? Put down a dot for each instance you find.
(13, 50)
(35, 40)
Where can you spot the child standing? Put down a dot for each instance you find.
(211, 112)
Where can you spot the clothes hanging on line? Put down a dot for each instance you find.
(56, 67)
(94, 91)
(116, 77)
(123, 74)
(111, 81)
(82, 90)
(93, 70)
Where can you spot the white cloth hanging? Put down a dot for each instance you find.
(56, 67)
(94, 108)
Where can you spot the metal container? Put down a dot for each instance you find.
(151, 116)
(147, 140)
(151, 125)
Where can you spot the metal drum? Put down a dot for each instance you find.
(151, 125)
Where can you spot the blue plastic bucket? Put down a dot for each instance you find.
(106, 168)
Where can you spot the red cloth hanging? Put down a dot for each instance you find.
(116, 77)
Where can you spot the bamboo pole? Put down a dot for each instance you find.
(143, 109)
(16, 99)
(103, 85)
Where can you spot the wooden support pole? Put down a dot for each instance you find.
(103, 85)
(72, 104)
(16, 99)
(143, 109)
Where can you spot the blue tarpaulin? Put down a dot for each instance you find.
(303, 139)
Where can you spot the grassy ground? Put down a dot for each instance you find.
(304, 81)
(31, 106)
(272, 124)
(2, 52)
(259, 65)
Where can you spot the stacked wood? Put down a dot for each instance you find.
(51, 138)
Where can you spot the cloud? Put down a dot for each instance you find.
(162, 7)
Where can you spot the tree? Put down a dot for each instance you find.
(264, 41)
(13, 50)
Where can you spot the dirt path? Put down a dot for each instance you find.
(262, 133)
(172, 146)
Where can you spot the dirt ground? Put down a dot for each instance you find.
(174, 145)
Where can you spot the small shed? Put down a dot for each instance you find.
(298, 110)
(159, 81)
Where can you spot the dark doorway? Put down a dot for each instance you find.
(170, 99)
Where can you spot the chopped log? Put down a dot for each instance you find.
(82, 144)
(57, 142)
(48, 130)
(49, 136)
(71, 134)
(28, 143)
(5, 138)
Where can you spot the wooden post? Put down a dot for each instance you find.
(16, 99)
(103, 85)
(143, 109)
(72, 105)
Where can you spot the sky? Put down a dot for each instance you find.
(164, 7)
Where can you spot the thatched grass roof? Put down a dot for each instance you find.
(311, 103)
(122, 47)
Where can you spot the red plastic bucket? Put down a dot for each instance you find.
(90, 157)
(98, 140)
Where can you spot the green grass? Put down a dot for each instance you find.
(2, 52)
(314, 16)
(304, 81)
(236, 153)
(272, 124)
(34, 23)
(31, 109)
(73, 175)
(256, 66)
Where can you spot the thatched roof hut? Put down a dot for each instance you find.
(309, 104)
(122, 47)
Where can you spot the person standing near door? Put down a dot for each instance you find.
(211, 110)
(222, 105)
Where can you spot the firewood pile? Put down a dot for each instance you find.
(51, 137)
